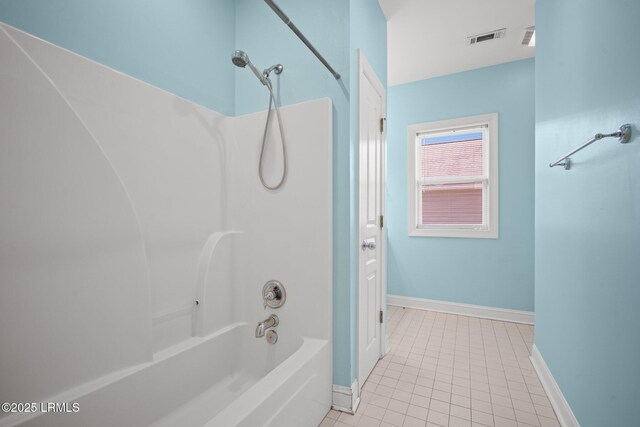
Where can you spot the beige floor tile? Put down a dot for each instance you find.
(540, 400)
(403, 396)
(544, 411)
(527, 417)
(439, 406)
(548, 422)
(413, 422)
(374, 411)
(348, 419)
(501, 400)
(459, 422)
(440, 395)
(420, 401)
(482, 418)
(481, 405)
(438, 418)
(417, 412)
(389, 382)
(448, 370)
(461, 401)
(460, 412)
(405, 386)
(398, 406)
(384, 390)
(422, 391)
(393, 418)
(327, 422)
(368, 422)
(504, 412)
(333, 414)
(521, 405)
(504, 422)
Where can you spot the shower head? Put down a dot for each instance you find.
(241, 59)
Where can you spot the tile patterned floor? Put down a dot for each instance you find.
(445, 370)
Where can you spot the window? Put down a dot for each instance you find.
(453, 178)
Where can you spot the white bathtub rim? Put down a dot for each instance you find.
(194, 341)
(292, 398)
(94, 385)
(238, 409)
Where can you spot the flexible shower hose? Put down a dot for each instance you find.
(272, 102)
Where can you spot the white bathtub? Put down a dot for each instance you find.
(227, 379)
(108, 274)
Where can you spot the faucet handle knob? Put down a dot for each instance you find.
(269, 296)
(273, 294)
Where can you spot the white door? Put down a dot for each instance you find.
(371, 106)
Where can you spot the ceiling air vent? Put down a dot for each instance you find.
(485, 37)
(529, 38)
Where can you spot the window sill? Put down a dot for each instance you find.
(459, 233)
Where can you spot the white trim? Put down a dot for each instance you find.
(452, 180)
(560, 405)
(346, 399)
(490, 228)
(482, 311)
(387, 347)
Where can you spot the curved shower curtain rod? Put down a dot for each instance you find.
(301, 36)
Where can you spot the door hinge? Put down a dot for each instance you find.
(382, 119)
(381, 316)
(381, 221)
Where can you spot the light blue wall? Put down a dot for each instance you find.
(184, 50)
(588, 218)
(368, 32)
(491, 272)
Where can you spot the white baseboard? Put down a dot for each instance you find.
(346, 399)
(387, 347)
(494, 313)
(563, 410)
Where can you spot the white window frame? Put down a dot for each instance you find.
(490, 206)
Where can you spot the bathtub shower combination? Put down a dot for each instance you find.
(161, 264)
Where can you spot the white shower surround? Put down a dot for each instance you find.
(126, 205)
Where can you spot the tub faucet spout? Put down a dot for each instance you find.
(271, 322)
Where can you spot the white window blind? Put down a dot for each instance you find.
(452, 182)
(453, 178)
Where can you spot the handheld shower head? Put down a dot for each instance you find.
(241, 59)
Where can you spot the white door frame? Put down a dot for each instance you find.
(365, 71)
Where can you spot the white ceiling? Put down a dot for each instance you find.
(428, 38)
